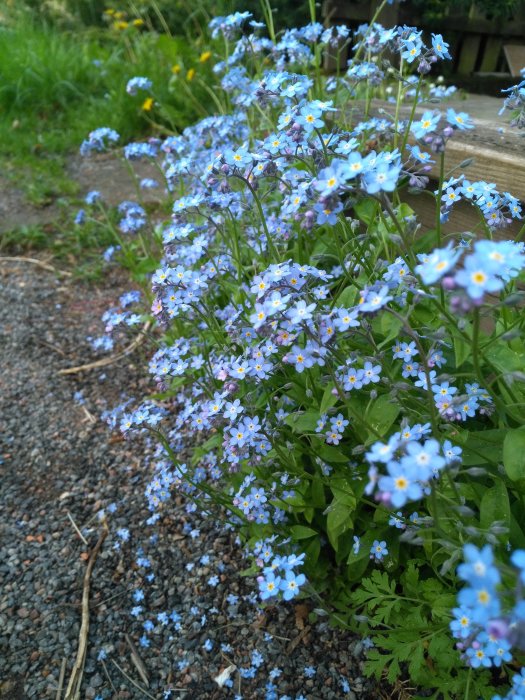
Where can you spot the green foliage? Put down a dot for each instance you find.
(409, 619)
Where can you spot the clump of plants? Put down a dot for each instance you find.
(348, 387)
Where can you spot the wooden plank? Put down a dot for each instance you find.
(475, 26)
(358, 11)
(491, 53)
(507, 170)
(468, 54)
(515, 55)
(337, 11)
(463, 217)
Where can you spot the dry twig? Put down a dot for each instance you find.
(51, 347)
(39, 263)
(105, 361)
(108, 676)
(89, 416)
(76, 528)
(145, 692)
(61, 678)
(297, 640)
(137, 661)
(75, 681)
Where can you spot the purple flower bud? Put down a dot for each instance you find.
(498, 628)
(423, 67)
(448, 283)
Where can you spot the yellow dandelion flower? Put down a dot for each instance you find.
(205, 56)
(190, 74)
(147, 104)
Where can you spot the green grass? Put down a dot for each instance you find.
(56, 86)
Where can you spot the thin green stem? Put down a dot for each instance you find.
(438, 197)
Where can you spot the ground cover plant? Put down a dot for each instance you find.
(338, 386)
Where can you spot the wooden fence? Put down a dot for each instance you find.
(485, 51)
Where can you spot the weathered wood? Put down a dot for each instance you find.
(491, 54)
(507, 170)
(496, 156)
(362, 10)
(515, 55)
(463, 217)
(469, 54)
(355, 11)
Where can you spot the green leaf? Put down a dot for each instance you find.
(303, 422)
(317, 495)
(495, 505)
(462, 350)
(347, 297)
(483, 447)
(504, 359)
(389, 326)
(312, 549)
(514, 454)
(339, 519)
(342, 490)
(329, 399)
(366, 210)
(382, 415)
(301, 532)
(332, 454)
(410, 579)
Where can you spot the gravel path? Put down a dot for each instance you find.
(57, 457)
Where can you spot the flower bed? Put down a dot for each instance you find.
(347, 388)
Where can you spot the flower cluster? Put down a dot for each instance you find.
(486, 632)
(98, 140)
(316, 372)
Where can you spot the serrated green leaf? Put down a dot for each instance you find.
(417, 660)
(410, 579)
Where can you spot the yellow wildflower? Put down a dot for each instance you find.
(190, 74)
(147, 104)
(205, 56)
